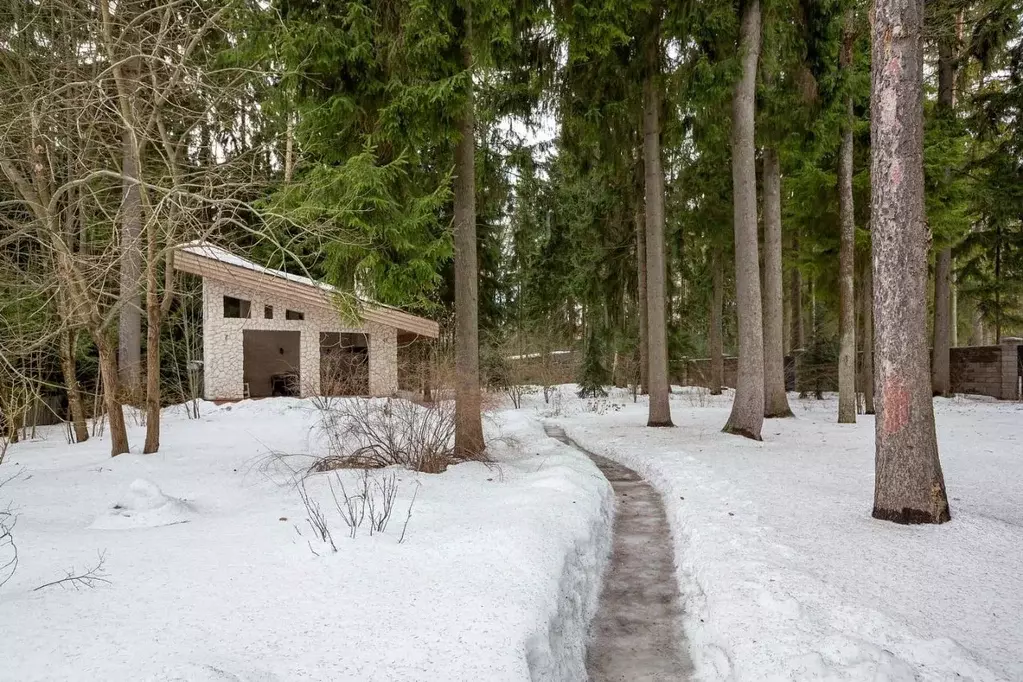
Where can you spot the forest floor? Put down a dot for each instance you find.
(215, 574)
(785, 575)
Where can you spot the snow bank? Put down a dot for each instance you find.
(784, 574)
(495, 579)
(145, 506)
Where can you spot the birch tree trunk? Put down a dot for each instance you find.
(747, 415)
(657, 331)
(909, 486)
(717, 362)
(641, 302)
(468, 418)
(776, 402)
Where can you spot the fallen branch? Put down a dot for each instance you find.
(90, 578)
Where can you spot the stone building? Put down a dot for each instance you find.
(268, 332)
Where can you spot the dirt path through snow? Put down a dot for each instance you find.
(636, 635)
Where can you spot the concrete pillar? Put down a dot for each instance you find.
(1010, 367)
(309, 363)
(383, 360)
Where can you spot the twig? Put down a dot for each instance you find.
(409, 517)
(90, 578)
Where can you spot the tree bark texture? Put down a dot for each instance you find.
(941, 383)
(953, 328)
(909, 486)
(717, 361)
(641, 303)
(747, 416)
(797, 340)
(108, 373)
(776, 402)
(129, 354)
(468, 417)
(846, 250)
(653, 175)
(867, 361)
(153, 400)
(69, 369)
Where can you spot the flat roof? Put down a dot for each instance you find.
(208, 260)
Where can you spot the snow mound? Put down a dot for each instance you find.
(145, 506)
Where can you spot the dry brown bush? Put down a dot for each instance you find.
(386, 432)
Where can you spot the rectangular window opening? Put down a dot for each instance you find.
(294, 315)
(268, 312)
(236, 307)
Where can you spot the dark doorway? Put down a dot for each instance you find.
(344, 364)
(271, 364)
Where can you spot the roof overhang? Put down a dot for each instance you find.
(211, 262)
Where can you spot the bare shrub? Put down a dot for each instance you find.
(602, 406)
(380, 508)
(315, 516)
(8, 549)
(371, 499)
(697, 396)
(351, 508)
(386, 432)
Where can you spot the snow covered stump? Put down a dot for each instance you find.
(636, 634)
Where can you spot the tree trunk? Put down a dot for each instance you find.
(657, 331)
(776, 402)
(953, 328)
(747, 415)
(289, 149)
(156, 310)
(717, 362)
(641, 303)
(468, 418)
(74, 391)
(978, 337)
(847, 250)
(909, 486)
(115, 414)
(129, 354)
(867, 363)
(796, 331)
(940, 379)
(152, 443)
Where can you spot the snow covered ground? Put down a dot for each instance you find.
(785, 576)
(213, 574)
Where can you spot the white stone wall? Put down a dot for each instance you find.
(383, 359)
(223, 350)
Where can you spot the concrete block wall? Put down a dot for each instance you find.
(976, 370)
(223, 349)
(1010, 369)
